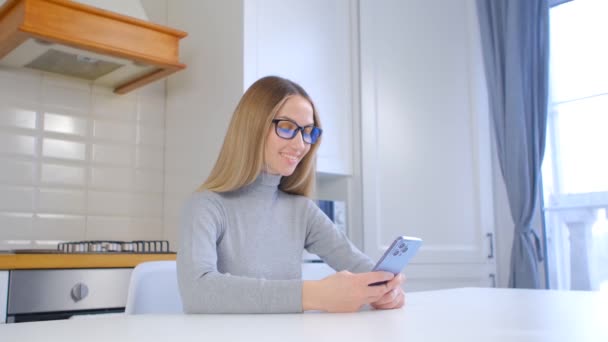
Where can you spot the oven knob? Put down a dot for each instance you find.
(79, 292)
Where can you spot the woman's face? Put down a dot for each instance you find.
(281, 156)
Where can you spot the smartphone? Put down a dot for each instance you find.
(397, 256)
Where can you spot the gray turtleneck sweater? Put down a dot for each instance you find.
(241, 251)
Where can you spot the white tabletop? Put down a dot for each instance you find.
(469, 314)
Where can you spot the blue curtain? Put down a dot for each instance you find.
(515, 44)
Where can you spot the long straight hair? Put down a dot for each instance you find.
(241, 158)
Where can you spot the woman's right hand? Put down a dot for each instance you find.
(344, 291)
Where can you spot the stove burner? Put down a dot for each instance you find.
(100, 246)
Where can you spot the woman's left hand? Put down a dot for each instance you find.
(393, 299)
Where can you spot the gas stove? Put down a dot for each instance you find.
(101, 246)
(105, 246)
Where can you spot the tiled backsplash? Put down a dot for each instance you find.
(78, 162)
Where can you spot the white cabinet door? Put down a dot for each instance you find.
(309, 42)
(3, 295)
(426, 143)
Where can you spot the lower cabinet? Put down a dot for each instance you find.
(3, 295)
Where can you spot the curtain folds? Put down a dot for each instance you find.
(515, 43)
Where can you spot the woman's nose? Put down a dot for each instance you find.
(298, 141)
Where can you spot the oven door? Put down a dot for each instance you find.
(57, 294)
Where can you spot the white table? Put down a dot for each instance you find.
(469, 314)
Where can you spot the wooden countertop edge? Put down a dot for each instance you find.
(50, 261)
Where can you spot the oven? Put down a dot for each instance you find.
(50, 294)
(38, 295)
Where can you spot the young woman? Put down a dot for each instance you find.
(244, 230)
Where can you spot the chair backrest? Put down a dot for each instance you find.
(153, 289)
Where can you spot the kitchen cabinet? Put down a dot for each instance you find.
(3, 295)
(426, 147)
(312, 43)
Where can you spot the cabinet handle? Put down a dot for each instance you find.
(493, 278)
(491, 254)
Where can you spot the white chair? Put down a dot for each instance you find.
(153, 289)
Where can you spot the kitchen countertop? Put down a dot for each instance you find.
(11, 261)
(456, 315)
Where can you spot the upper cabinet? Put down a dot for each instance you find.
(87, 42)
(311, 43)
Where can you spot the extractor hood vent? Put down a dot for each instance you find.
(71, 64)
(78, 40)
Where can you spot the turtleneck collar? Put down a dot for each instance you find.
(265, 183)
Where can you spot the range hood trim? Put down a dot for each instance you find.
(95, 30)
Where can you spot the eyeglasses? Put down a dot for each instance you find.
(288, 129)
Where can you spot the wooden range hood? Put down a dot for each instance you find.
(122, 52)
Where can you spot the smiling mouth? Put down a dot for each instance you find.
(290, 157)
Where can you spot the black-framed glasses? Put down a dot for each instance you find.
(288, 129)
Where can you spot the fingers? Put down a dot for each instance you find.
(376, 277)
(400, 301)
(397, 302)
(388, 297)
(394, 297)
(382, 294)
(393, 284)
(396, 281)
(374, 293)
(347, 292)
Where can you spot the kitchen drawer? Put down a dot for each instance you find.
(32, 291)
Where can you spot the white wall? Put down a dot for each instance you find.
(156, 11)
(78, 162)
(200, 99)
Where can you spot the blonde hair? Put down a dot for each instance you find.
(242, 155)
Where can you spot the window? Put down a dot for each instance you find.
(575, 169)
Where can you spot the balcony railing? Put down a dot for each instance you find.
(577, 241)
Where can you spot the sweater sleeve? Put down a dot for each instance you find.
(332, 245)
(205, 290)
